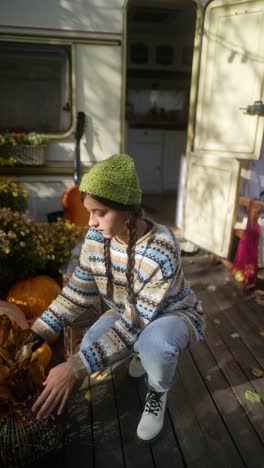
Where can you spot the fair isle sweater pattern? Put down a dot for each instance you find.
(159, 286)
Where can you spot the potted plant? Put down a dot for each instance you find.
(29, 248)
(24, 439)
(26, 149)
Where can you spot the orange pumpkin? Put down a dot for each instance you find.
(33, 295)
(14, 313)
(74, 208)
(43, 353)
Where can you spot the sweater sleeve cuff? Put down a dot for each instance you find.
(80, 370)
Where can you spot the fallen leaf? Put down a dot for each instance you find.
(216, 321)
(257, 372)
(235, 335)
(20, 375)
(259, 300)
(254, 397)
(261, 331)
(87, 395)
(232, 363)
(211, 288)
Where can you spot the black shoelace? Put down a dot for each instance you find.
(153, 402)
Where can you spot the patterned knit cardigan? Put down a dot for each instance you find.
(159, 286)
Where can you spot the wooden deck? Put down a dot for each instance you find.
(209, 422)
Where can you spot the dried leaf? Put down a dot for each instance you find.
(235, 335)
(18, 337)
(254, 397)
(5, 326)
(36, 374)
(4, 373)
(216, 321)
(20, 375)
(260, 300)
(24, 355)
(232, 363)
(5, 357)
(21, 391)
(87, 395)
(257, 372)
(6, 395)
(261, 331)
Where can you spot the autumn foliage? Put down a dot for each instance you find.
(21, 370)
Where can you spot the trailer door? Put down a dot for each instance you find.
(229, 119)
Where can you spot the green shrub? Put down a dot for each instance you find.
(13, 195)
(28, 248)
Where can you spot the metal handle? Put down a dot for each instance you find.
(255, 109)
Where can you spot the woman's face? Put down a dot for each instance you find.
(106, 220)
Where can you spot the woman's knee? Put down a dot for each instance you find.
(166, 336)
(151, 347)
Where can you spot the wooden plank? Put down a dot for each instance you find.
(55, 459)
(209, 420)
(236, 378)
(239, 349)
(257, 310)
(241, 430)
(226, 293)
(241, 317)
(106, 434)
(165, 450)
(78, 448)
(191, 437)
(129, 413)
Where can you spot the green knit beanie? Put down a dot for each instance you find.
(115, 179)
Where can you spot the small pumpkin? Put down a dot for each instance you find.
(14, 313)
(43, 353)
(33, 295)
(75, 212)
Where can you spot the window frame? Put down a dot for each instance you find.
(72, 78)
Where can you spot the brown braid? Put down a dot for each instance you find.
(109, 274)
(134, 214)
(132, 229)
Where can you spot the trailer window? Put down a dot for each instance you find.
(35, 87)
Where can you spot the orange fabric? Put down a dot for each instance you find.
(73, 206)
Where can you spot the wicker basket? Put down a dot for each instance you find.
(25, 155)
(25, 440)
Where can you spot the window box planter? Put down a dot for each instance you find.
(25, 155)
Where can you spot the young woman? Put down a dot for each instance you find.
(134, 265)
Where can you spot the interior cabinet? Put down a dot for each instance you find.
(157, 156)
(149, 53)
(146, 147)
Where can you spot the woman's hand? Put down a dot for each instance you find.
(58, 386)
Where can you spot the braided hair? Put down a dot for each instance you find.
(135, 213)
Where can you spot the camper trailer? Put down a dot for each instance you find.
(178, 84)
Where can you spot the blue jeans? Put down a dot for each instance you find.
(158, 346)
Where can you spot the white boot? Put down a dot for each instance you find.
(152, 419)
(135, 369)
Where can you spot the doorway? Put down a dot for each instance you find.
(160, 42)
